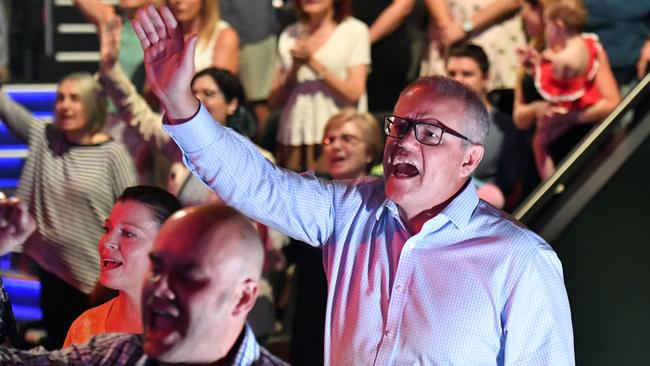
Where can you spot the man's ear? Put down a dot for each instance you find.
(231, 107)
(472, 157)
(247, 296)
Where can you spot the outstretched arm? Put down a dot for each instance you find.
(16, 117)
(131, 106)
(301, 207)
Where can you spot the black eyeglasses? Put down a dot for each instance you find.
(427, 133)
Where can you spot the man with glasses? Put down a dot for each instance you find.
(420, 271)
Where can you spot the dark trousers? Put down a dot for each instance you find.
(61, 305)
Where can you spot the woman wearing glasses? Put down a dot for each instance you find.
(218, 89)
(352, 145)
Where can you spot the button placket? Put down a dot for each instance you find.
(396, 305)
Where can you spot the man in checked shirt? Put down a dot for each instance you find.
(202, 282)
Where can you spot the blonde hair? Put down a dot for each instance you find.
(572, 13)
(371, 133)
(92, 97)
(209, 17)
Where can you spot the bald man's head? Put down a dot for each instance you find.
(216, 230)
(205, 267)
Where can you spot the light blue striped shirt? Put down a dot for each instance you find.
(473, 287)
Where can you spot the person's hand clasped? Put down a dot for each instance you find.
(169, 60)
(16, 224)
(301, 51)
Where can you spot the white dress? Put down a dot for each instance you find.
(204, 55)
(311, 103)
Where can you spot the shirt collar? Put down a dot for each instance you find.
(249, 349)
(458, 211)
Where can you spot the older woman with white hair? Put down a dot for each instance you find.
(72, 176)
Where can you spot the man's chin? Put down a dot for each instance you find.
(153, 349)
(396, 187)
(159, 347)
(395, 194)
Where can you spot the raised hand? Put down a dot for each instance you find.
(169, 60)
(16, 224)
(109, 43)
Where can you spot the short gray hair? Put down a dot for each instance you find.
(92, 97)
(475, 124)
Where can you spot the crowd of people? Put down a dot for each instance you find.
(397, 258)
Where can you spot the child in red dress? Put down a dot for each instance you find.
(564, 73)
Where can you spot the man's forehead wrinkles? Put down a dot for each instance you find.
(420, 115)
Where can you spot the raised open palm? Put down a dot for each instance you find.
(169, 60)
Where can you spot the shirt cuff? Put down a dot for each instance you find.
(197, 133)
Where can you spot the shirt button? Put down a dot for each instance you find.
(388, 334)
(399, 289)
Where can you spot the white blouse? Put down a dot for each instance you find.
(204, 56)
(311, 102)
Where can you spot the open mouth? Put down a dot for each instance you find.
(161, 322)
(111, 263)
(337, 159)
(405, 170)
(162, 318)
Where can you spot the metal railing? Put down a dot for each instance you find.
(534, 211)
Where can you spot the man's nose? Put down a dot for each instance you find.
(409, 138)
(160, 287)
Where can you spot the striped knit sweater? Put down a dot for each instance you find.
(70, 190)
